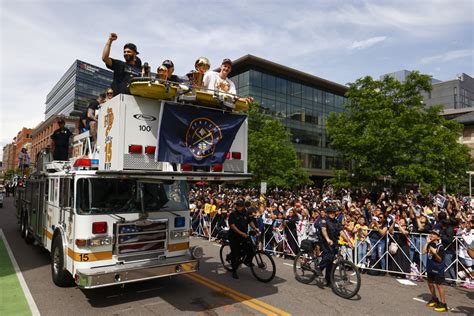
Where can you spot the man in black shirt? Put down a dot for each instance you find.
(92, 115)
(330, 229)
(239, 222)
(60, 139)
(123, 71)
(170, 67)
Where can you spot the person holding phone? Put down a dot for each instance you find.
(435, 270)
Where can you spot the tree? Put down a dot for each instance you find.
(386, 132)
(272, 157)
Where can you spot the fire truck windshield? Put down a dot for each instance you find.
(109, 196)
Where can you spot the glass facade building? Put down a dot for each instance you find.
(81, 83)
(302, 101)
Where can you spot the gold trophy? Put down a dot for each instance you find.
(161, 74)
(201, 65)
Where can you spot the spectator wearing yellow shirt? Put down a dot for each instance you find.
(210, 210)
(361, 232)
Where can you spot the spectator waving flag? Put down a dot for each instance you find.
(196, 136)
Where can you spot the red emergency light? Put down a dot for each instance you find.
(150, 150)
(99, 227)
(217, 168)
(236, 155)
(227, 156)
(135, 149)
(82, 162)
(186, 167)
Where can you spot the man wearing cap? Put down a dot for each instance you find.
(238, 222)
(123, 71)
(435, 270)
(218, 80)
(60, 139)
(330, 229)
(170, 66)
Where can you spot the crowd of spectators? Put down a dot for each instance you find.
(382, 231)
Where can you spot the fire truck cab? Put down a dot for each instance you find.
(114, 215)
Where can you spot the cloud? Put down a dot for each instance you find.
(448, 56)
(367, 43)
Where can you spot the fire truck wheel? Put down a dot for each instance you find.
(61, 276)
(22, 225)
(26, 232)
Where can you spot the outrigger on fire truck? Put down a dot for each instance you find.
(117, 212)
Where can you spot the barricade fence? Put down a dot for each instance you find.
(393, 253)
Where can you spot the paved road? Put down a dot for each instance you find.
(213, 292)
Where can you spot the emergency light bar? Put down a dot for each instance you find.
(86, 163)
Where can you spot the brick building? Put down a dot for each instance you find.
(9, 151)
(41, 134)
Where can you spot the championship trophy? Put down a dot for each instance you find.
(196, 76)
(161, 74)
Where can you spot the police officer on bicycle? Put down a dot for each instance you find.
(330, 229)
(239, 221)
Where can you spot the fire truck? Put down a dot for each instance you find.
(113, 214)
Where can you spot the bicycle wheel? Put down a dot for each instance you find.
(345, 279)
(263, 267)
(225, 256)
(302, 268)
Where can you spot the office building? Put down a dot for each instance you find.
(81, 83)
(453, 94)
(302, 101)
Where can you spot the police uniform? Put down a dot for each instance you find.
(237, 242)
(333, 228)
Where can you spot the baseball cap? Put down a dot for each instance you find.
(227, 61)
(168, 63)
(436, 231)
(132, 47)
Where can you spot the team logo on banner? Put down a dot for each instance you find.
(202, 137)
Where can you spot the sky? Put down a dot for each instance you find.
(338, 40)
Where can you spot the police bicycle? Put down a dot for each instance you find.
(263, 267)
(345, 276)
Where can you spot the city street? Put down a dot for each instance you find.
(212, 291)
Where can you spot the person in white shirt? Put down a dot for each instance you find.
(218, 80)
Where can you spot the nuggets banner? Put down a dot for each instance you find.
(195, 136)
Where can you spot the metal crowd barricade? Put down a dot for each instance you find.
(278, 242)
(198, 224)
(414, 257)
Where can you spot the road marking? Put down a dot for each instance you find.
(19, 275)
(406, 282)
(261, 306)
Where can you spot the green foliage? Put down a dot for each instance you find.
(272, 157)
(386, 131)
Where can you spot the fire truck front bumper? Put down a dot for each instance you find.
(133, 272)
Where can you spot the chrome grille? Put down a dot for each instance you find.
(141, 237)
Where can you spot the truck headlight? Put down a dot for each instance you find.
(179, 234)
(99, 242)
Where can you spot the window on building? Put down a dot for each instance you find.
(268, 82)
(255, 78)
(315, 161)
(295, 89)
(281, 85)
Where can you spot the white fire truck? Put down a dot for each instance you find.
(114, 215)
